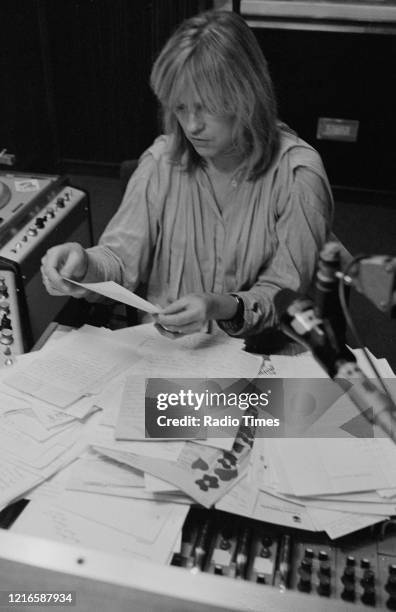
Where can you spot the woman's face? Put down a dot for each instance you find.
(210, 135)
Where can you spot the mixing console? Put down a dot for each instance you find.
(360, 568)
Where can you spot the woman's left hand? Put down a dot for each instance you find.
(190, 313)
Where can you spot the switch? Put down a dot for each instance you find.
(368, 578)
(4, 307)
(348, 594)
(324, 588)
(6, 337)
(304, 585)
(368, 597)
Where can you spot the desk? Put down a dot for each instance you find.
(105, 581)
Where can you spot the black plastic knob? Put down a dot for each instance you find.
(391, 603)
(390, 588)
(40, 222)
(266, 541)
(348, 576)
(218, 569)
(260, 579)
(368, 597)
(392, 570)
(348, 594)
(324, 570)
(323, 555)
(60, 202)
(365, 564)
(265, 552)
(225, 544)
(324, 589)
(305, 566)
(304, 586)
(368, 579)
(309, 553)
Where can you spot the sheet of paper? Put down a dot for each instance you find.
(100, 471)
(52, 488)
(123, 515)
(130, 493)
(338, 524)
(203, 473)
(308, 467)
(280, 512)
(130, 423)
(379, 509)
(297, 366)
(197, 355)
(15, 479)
(241, 499)
(72, 368)
(56, 523)
(109, 399)
(156, 485)
(104, 437)
(118, 293)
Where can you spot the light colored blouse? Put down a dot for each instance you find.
(170, 236)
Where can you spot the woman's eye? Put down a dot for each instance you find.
(180, 108)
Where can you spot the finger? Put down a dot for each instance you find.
(176, 306)
(185, 317)
(61, 287)
(166, 333)
(72, 265)
(190, 328)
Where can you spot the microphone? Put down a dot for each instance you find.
(326, 300)
(299, 321)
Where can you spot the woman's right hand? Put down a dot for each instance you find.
(68, 260)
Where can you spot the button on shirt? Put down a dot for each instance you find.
(170, 237)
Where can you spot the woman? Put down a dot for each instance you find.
(224, 209)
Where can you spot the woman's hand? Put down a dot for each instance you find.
(65, 260)
(190, 313)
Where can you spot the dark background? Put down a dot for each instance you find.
(75, 99)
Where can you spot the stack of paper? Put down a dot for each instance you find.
(102, 498)
(338, 476)
(79, 405)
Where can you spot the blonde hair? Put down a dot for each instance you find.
(216, 57)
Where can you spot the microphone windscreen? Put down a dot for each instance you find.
(285, 298)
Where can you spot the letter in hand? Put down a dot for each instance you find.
(68, 259)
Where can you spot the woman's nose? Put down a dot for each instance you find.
(194, 123)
